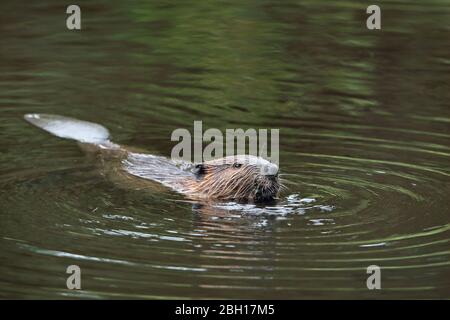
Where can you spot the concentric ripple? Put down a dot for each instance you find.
(364, 150)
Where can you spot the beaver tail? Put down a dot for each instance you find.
(70, 128)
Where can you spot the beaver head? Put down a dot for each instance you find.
(241, 177)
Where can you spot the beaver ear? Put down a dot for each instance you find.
(199, 169)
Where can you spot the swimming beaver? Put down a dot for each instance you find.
(241, 177)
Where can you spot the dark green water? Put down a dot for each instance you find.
(364, 141)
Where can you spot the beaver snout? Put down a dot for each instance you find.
(270, 170)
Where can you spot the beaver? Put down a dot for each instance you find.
(240, 177)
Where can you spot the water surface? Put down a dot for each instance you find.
(364, 144)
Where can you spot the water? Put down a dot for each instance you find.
(364, 140)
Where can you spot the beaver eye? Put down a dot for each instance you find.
(237, 165)
(199, 169)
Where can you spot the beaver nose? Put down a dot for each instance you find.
(270, 170)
